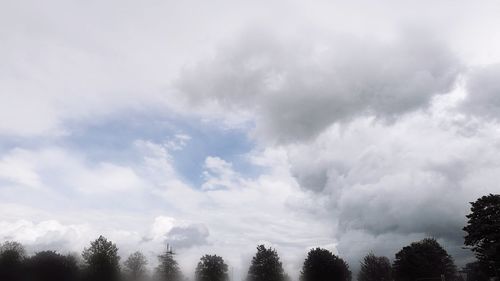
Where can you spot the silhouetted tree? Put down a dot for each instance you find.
(51, 266)
(425, 259)
(168, 268)
(211, 268)
(476, 272)
(135, 267)
(483, 232)
(323, 265)
(12, 256)
(102, 260)
(266, 266)
(375, 268)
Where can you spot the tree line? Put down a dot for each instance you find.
(424, 260)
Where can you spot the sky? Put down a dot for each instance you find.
(214, 126)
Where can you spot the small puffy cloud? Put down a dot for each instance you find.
(185, 236)
(161, 226)
(178, 142)
(219, 174)
(178, 233)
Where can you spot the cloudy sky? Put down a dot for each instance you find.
(356, 126)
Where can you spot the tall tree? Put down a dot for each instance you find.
(425, 259)
(211, 268)
(135, 266)
(483, 232)
(102, 260)
(375, 268)
(51, 266)
(323, 265)
(168, 268)
(12, 256)
(266, 266)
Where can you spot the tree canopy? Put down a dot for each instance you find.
(476, 272)
(168, 268)
(135, 266)
(266, 266)
(323, 265)
(483, 232)
(51, 266)
(211, 268)
(375, 268)
(102, 260)
(12, 255)
(425, 259)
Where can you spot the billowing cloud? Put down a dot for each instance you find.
(45, 235)
(297, 88)
(411, 178)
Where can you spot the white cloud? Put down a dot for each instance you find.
(18, 168)
(413, 178)
(45, 235)
(220, 174)
(52, 165)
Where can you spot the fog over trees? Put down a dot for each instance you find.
(420, 261)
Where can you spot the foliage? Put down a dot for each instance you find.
(168, 268)
(483, 232)
(135, 266)
(102, 260)
(51, 266)
(323, 265)
(476, 272)
(266, 266)
(211, 268)
(375, 268)
(425, 259)
(12, 255)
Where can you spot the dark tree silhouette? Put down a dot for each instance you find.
(323, 265)
(12, 256)
(211, 268)
(266, 266)
(476, 272)
(51, 266)
(168, 268)
(375, 268)
(421, 260)
(483, 232)
(135, 267)
(102, 261)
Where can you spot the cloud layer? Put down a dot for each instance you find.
(366, 126)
